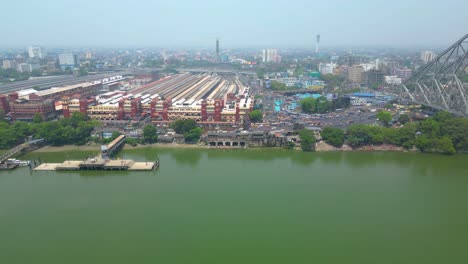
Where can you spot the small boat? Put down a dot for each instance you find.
(17, 162)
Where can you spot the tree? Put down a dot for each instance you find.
(307, 140)
(298, 126)
(429, 127)
(37, 118)
(181, 126)
(260, 73)
(131, 141)
(150, 134)
(444, 145)
(311, 105)
(277, 86)
(333, 136)
(389, 106)
(193, 135)
(359, 135)
(333, 81)
(290, 145)
(457, 130)
(256, 116)
(115, 135)
(405, 136)
(384, 117)
(442, 116)
(423, 143)
(308, 105)
(403, 119)
(36, 73)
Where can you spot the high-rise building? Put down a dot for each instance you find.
(327, 68)
(375, 76)
(9, 64)
(403, 73)
(36, 52)
(25, 67)
(355, 73)
(427, 56)
(317, 43)
(270, 55)
(51, 66)
(218, 58)
(67, 60)
(88, 55)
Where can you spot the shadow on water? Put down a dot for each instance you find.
(265, 155)
(417, 163)
(187, 157)
(84, 174)
(303, 159)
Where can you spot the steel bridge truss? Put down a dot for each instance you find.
(439, 84)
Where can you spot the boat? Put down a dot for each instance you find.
(4, 166)
(17, 162)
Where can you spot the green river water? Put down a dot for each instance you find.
(244, 206)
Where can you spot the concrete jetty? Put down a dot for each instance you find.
(101, 162)
(98, 163)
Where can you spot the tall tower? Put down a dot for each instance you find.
(218, 59)
(317, 43)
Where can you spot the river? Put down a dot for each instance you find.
(240, 206)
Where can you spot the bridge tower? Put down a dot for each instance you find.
(439, 84)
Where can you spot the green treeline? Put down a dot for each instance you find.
(188, 128)
(73, 130)
(321, 105)
(441, 133)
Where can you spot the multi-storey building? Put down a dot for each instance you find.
(427, 56)
(26, 67)
(77, 104)
(36, 52)
(270, 55)
(403, 73)
(67, 60)
(25, 110)
(327, 68)
(375, 76)
(9, 64)
(355, 73)
(4, 106)
(393, 80)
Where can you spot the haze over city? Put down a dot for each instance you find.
(238, 24)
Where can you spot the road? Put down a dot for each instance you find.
(48, 82)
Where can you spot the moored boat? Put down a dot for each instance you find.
(17, 162)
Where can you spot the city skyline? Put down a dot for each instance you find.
(236, 24)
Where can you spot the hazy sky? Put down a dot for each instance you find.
(240, 23)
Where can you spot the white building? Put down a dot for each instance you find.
(9, 64)
(270, 55)
(377, 64)
(393, 80)
(67, 60)
(25, 67)
(288, 81)
(36, 52)
(427, 56)
(327, 68)
(369, 66)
